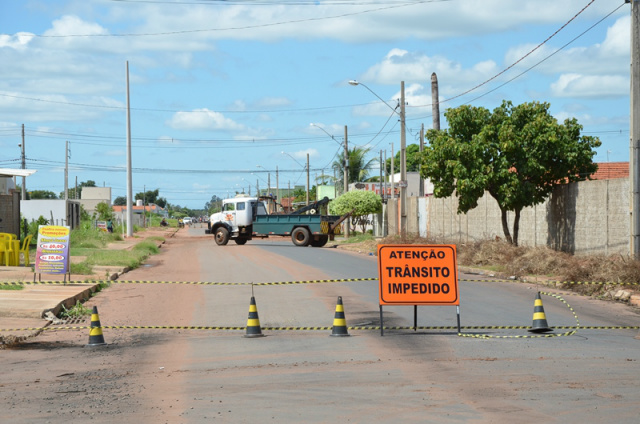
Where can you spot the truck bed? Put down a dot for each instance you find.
(284, 224)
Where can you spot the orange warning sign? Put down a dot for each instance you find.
(418, 274)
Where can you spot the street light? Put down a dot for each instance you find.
(257, 176)
(268, 178)
(345, 164)
(303, 167)
(403, 153)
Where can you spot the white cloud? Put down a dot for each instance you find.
(202, 119)
(578, 85)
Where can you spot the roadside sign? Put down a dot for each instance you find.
(418, 275)
(52, 253)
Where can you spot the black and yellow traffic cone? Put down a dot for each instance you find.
(339, 321)
(95, 332)
(253, 322)
(539, 318)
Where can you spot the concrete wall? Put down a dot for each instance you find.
(96, 193)
(584, 217)
(92, 196)
(10, 213)
(57, 212)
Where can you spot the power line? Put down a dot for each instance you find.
(243, 28)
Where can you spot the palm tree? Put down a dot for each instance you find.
(359, 167)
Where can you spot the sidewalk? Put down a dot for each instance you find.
(22, 312)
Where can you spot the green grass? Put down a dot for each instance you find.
(358, 238)
(11, 287)
(77, 311)
(90, 243)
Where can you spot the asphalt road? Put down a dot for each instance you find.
(425, 375)
(428, 375)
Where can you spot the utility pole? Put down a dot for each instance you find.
(435, 102)
(278, 185)
(403, 164)
(24, 166)
(308, 187)
(393, 175)
(634, 131)
(421, 189)
(129, 171)
(66, 170)
(347, 231)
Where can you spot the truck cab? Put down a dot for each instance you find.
(235, 219)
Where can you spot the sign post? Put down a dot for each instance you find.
(417, 275)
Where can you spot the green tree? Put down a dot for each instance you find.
(213, 205)
(361, 202)
(103, 212)
(518, 154)
(152, 196)
(359, 167)
(72, 191)
(413, 160)
(42, 194)
(120, 201)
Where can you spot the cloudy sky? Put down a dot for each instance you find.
(220, 89)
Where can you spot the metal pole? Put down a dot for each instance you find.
(129, 178)
(66, 170)
(308, 187)
(346, 177)
(278, 185)
(634, 131)
(24, 166)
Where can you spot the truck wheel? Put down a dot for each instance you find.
(240, 241)
(320, 241)
(221, 236)
(300, 236)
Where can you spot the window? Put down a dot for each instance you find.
(241, 206)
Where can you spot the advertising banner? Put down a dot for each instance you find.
(52, 253)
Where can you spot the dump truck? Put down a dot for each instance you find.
(244, 218)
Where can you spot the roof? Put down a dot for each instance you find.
(148, 208)
(611, 170)
(7, 172)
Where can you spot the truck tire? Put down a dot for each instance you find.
(240, 241)
(221, 236)
(300, 236)
(320, 241)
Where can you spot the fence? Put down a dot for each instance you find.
(584, 217)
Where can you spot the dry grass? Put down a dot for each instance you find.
(539, 263)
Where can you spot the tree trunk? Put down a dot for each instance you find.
(516, 227)
(505, 226)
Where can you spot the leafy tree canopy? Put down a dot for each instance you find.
(364, 203)
(151, 196)
(120, 201)
(359, 167)
(42, 194)
(413, 160)
(72, 191)
(518, 154)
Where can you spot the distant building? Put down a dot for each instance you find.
(138, 208)
(90, 197)
(413, 186)
(611, 170)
